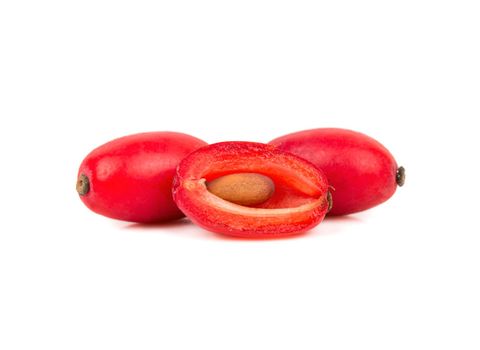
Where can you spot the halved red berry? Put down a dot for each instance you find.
(299, 201)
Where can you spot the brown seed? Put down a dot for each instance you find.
(243, 188)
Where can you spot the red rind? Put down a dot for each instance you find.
(297, 181)
(361, 170)
(131, 177)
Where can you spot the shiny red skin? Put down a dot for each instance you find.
(298, 204)
(361, 170)
(131, 177)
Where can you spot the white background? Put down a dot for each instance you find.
(74, 75)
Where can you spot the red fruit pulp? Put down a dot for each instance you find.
(300, 200)
(130, 178)
(361, 170)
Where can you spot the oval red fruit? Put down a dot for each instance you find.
(130, 178)
(299, 202)
(361, 170)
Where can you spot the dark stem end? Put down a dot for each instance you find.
(400, 176)
(83, 185)
(330, 201)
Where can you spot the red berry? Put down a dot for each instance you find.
(361, 171)
(299, 201)
(130, 178)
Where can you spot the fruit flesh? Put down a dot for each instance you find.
(361, 171)
(298, 203)
(130, 178)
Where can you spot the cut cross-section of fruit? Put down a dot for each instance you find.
(299, 201)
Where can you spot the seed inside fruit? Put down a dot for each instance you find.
(243, 188)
